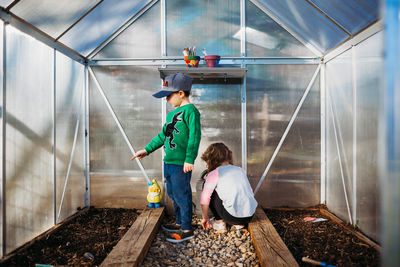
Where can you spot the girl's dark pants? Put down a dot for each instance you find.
(221, 213)
(179, 190)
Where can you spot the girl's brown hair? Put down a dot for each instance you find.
(216, 154)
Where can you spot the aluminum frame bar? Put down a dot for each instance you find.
(3, 146)
(86, 138)
(54, 119)
(323, 134)
(31, 30)
(311, 47)
(243, 28)
(180, 61)
(340, 159)
(121, 29)
(354, 88)
(117, 122)
(72, 154)
(278, 147)
(244, 122)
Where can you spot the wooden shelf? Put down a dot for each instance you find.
(206, 73)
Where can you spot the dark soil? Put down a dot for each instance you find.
(84, 241)
(327, 241)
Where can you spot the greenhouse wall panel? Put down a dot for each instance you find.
(140, 40)
(339, 137)
(129, 91)
(211, 25)
(69, 108)
(353, 103)
(369, 63)
(273, 93)
(29, 128)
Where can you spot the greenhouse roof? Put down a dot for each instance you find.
(83, 26)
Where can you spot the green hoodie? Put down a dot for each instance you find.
(180, 136)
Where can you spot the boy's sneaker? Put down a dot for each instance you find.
(171, 227)
(180, 236)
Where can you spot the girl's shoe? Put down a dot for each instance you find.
(238, 226)
(219, 227)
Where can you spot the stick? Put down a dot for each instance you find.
(314, 262)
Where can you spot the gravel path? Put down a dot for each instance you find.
(233, 248)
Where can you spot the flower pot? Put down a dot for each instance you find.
(192, 61)
(212, 61)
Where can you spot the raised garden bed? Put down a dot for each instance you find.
(85, 240)
(328, 241)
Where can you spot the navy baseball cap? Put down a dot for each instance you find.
(174, 83)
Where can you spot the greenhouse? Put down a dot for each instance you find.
(305, 94)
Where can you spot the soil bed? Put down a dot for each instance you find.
(84, 241)
(325, 241)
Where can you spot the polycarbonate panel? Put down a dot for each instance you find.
(353, 15)
(52, 17)
(296, 170)
(140, 40)
(307, 22)
(1, 132)
(213, 25)
(129, 91)
(69, 86)
(265, 37)
(273, 92)
(339, 134)
(99, 24)
(369, 80)
(29, 128)
(5, 3)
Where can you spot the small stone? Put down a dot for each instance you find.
(197, 259)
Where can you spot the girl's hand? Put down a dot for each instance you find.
(187, 167)
(140, 154)
(205, 223)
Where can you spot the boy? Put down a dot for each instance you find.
(181, 138)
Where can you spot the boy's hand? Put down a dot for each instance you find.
(187, 167)
(140, 154)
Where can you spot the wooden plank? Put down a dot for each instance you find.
(355, 232)
(270, 248)
(132, 248)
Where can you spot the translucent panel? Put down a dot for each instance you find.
(265, 37)
(339, 134)
(308, 22)
(29, 127)
(369, 62)
(129, 91)
(5, 3)
(141, 40)
(52, 17)
(273, 93)
(115, 180)
(108, 17)
(353, 15)
(69, 86)
(214, 25)
(296, 170)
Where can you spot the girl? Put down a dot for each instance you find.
(227, 191)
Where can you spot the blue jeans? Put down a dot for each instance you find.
(179, 190)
